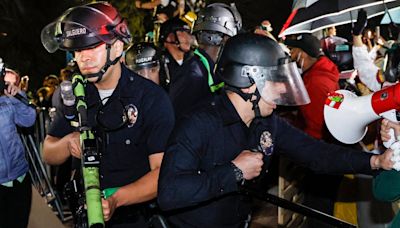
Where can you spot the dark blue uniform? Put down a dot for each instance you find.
(125, 151)
(197, 178)
(188, 85)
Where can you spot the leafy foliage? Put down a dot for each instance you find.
(134, 17)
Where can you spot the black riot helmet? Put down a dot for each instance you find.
(219, 17)
(84, 27)
(171, 26)
(215, 21)
(249, 59)
(142, 55)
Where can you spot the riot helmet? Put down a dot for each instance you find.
(219, 17)
(144, 59)
(84, 27)
(249, 59)
(142, 55)
(172, 26)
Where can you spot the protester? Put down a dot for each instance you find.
(15, 184)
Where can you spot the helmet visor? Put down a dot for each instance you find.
(75, 33)
(74, 37)
(152, 73)
(51, 37)
(280, 84)
(147, 65)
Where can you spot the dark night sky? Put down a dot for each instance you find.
(21, 49)
(23, 20)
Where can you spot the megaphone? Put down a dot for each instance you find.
(347, 115)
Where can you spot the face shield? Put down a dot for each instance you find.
(76, 33)
(280, 84)
(151, 73)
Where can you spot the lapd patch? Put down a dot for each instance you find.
(266, 143)
(132, 113)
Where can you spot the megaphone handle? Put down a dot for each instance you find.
(390, 115)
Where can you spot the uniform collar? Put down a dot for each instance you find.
(125, 78)
(186, 56)
(227, 110)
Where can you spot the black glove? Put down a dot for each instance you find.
(361, 22)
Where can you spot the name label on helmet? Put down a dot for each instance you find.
(144, 59)
(75, 32)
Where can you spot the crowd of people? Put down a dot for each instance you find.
(185, 122)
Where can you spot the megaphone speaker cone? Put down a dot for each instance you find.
(347, 116)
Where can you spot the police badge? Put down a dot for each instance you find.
(266, 144)
(132, 113)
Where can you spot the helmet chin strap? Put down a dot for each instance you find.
(247, 97)
(104, 69)
(178, 42)
(256, 108)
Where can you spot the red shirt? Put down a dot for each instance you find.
(320, 79)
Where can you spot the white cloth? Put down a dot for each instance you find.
(396, 155)
(105, 94)
(366, 68)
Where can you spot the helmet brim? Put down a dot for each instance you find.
(75, 37)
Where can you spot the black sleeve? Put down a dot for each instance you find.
(182, 183)
(317, 155)
(60, 126)
(160, 121)
(191, 88)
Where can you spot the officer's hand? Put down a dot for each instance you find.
(250, 163)
(383, 161)
(386, 125)
(11, 90)
(109, 206)
(74, 146)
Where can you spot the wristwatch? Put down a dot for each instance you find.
(238, 172)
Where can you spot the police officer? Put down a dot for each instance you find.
(144, 59)
(123, 110)
(211, 152)
(214, 25)
(188, 76)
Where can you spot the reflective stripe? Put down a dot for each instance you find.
(203, 59)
